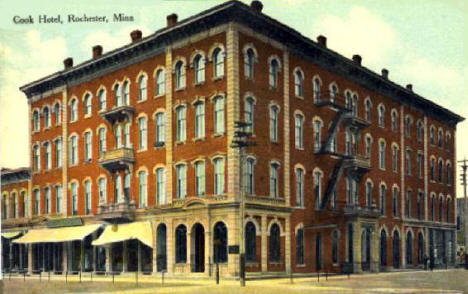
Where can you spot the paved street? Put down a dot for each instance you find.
(441, 281)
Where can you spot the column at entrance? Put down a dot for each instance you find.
(233, 239)
(288, 245)
(375, 252)
(124, 257)
(264, 253)
(30, 258)
(170, 247)
(64, 257)
(108, 258)
(208, 251)
(403, 248)
(357, 247)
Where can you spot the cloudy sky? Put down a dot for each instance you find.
(423, 42)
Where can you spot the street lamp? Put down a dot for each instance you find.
(242, 133)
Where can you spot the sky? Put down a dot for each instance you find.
(422, 42)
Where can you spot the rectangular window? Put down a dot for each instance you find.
(317, 189)
(274, 124)
(249, 176)
(317, 136)
(199, 120)
(219, 115)
(420, 165)
(299, 131)
(58, 153)
(161, 186)
(37, 202)
(274, 177)
(181, 181)
(382, 155)
(47, 203)
(73, 150)
(74, 198)
(127, 135)
(142, 130)
(395, 202)
(160, 128)
(143, 188)
(300, 187)
(181, 123)
(382, 199)
(88, 147)
(102, 190)
(102, 141)
(87, 197)
(395, 159)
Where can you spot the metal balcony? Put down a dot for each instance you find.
(119, 113)
(357, 162)
(353, 210)
(118, 159)
(117, 212)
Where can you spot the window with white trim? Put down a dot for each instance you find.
(382, 155)
(199, 120)
(143, 188)
(249, 171)
(48, 200)
(199, 67)
(87, 105)
(317, 93)
(58, 152)
(218, 63)
(160, 82)
(126, 93)
(317, 135)
(142, 88)
(57, 113)
(381, 111)
(102, 183)
(74, 198)
(274, 180)
(160, 128)
(219, 115)
(36, 121)
(102, 141)
(87, 146)
(249, 60)
(299, 131)
(181, 174)
(37, 202)
(274, 119)
(249, 109)
(102, 97)
(46, 113)
(73, 150)
(47, 155)
(273, 73)
(126, 137)
(73, 110)
(317, 189)
(58, 199)
(300, 187)
(298, 83)
(142, 133)
(88, 204)
(219, 176)
(180, 75)
(368, 110)
(394, 121)
(161, 186)
(200, 178)
(181, 123)
(383, 203)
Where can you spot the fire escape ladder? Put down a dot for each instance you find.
(332, 130)
(332, 182)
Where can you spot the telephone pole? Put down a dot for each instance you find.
(464, 167)
(242, 133)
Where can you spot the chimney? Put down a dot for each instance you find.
(135, 35)
(97, 51)
(171, 20)
(257, 6)
(385, 73)
(68, 63)
(357, 58)
(409, 87)
(322, 40)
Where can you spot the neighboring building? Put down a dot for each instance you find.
(351, 171)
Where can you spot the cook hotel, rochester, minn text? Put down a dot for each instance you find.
(71, 18)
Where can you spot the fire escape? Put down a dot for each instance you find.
(119, 163)
(349, 162)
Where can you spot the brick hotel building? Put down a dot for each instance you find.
(132, 166)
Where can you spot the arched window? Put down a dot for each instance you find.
(88, 197)
(118, 136)
(199, 67)
(161, 186)
(441, 171)
(181, 123)
(317, 135)
(409, 201)
(274, 180)
(433, 169)
(102, 141)
(102, 96)
(432, 135)
(160, 82)
(249, 176)
(274, 120)
(420, 248)
(87, 105)
(333, 92)
(181, 244)
(142, 87)
(298, 83)
(181, 173)
(395, 158)
(87, 146)
(37, 158)
(219, 115)
(126, 93)
(449, 174)
(143, 188)
(299, 131)
(420, 205)
(74, 198)
(37, 201)
(369, 197)
(249, 60)
(250, 242)
(126, 188)
(200, 178)
(274, 252)
(382, 155)
(368, 146)
(381, 115)
(73, 152)
(57, 113)
(396, 249)
(15, 205)
(117, 95)
(409, 248)
(47, 200)
(118, 188)
(408, 125)
(142, 133)
(300, 246)
(448, 210)
(394, 121)
(420, 131)
(249, 110)
(335, 240)
(419, 163)
(46, 112)
(354, 105)
(102, 183)
(58, 200)
(47, 155)
(300, 187)
(218, 63)
(441, 209)
(220, 248)
(160, 128)
(274, 71)
(317, 189)
(383, 202)
(180, 74)
(368, 109)
(395, 202)
(36, 121)
(219, 176)
(440, 138)
(199, 120)
(74, 110)
(433, 209)
(408, 162)
(317, 92)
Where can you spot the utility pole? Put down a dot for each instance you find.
(242, 133)
(464, 167)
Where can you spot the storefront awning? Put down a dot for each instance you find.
(11, 235)
(142, 231)
(57, 235)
